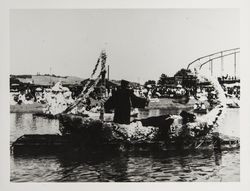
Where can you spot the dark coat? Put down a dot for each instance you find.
(121, 101)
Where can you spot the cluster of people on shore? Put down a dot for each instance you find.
(170, 92)
(232, 91)
(20, 98)
(58, 98)
(55, 99)
(160, 92)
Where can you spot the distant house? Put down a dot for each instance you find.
(170, 81)
(183, 77)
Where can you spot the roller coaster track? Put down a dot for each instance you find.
(201, 61)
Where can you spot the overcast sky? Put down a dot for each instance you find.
(140, 44)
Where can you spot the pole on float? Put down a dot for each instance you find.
(235, 64)
(103, 84)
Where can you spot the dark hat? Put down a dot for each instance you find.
(124, 83)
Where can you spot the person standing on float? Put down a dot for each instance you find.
(123, 100)
(122, 103)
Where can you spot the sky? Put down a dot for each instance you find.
(141, 44)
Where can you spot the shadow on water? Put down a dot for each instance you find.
(121, 167)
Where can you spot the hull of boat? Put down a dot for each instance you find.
(56, 144)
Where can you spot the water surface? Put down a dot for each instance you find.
(146, 167)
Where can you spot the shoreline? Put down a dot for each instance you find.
(164, 103)
(27, 108)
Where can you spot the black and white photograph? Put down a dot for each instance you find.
(125, 95)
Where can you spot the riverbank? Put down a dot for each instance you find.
(163, 103)
(170, 104)
(27, 108)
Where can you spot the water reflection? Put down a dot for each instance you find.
(199, 166)
(26, 123)
(218, 158)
